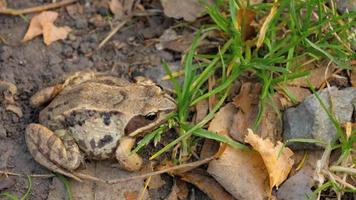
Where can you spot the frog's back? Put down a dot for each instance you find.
(96, 96)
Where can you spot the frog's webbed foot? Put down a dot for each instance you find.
(128, 160)
(59, 154)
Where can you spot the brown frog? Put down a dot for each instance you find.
(96, 116)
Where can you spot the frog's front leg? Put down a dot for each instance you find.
(59, 153)
(128, 160)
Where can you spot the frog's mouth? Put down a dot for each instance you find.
(141, 124)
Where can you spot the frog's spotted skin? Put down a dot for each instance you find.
(94, 115)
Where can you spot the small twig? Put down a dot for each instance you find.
(112, 33)
(24, 175)
(187, 165)
(16, 12)
(88, 177)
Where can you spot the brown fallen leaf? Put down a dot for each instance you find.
(3, 4)
(43, 23)
(247, 101)
(172, 41)
(242, 173)
(205, 183)
(116, 8)
(317, 76)
(131, 195)
(278, 161)
(6, 182)
(179, 191)
(202, 108)
(353, 78)
(15, 109)
(189, 10)
(297, 93)
(244, 20)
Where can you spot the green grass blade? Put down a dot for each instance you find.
(66, 186)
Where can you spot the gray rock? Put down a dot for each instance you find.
(346, 5)
(309, 120)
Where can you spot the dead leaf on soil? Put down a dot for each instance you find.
(241, 173)
(201, 179)
(172, 41)
(295, 92)
(179, 191)
(317, 76)
(3, 4)
(43, 23)
(117, 8)
(202, 108)
(131, 195)
(245, 18)
(189, 10)
(15, 109)
(278, 162)
(6, 182)
(247, 102)
(75, 11)
(156, 181)
(353, 78)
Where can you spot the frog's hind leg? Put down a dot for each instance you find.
(58, 154)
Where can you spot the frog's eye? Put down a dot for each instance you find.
(151, 116)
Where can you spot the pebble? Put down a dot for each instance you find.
(2, 132)
(309, 120)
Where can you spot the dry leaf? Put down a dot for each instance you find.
(43, 24)
(353, 78)
(241, 173)
(179, 191)
(298, 93)
(205, 183)
(116, 8)
(3, 4)
(131, 195)
(15, 109)
(245, 18)
(202, 108)
(247, 101)
(189, 10)
(277, 163)
(317, 77)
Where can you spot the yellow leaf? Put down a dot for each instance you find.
(278, 161)
(43, 24)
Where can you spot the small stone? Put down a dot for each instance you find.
(103, 11)
(309, 120)
(81, 23)
(2, 132)
(346, 5)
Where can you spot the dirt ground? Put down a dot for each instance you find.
(33, 65)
